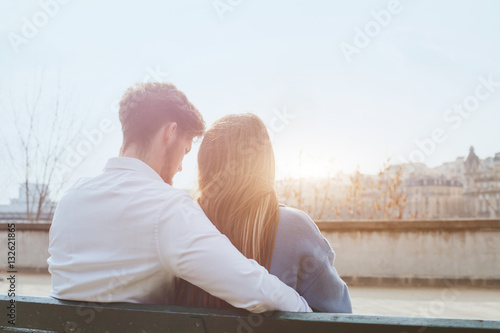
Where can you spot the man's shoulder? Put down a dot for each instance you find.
(125, 184)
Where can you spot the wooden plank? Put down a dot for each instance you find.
(47, 314)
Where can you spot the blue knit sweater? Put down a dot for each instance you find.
(303, 259)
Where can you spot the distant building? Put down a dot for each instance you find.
(455, 169)
(482, 186)
(433, 197)
(26, 205)
(466, 187)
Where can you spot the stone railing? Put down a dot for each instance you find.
(416, 251)
(401, 252)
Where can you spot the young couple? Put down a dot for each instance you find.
(128, 236)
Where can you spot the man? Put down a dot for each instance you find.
(125, 235)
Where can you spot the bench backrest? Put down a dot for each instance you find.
(51, 315)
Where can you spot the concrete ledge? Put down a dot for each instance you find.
(32, 270)
(349, 225)
(370, 281)
(23, 226)
(408, 252)
(409, 225)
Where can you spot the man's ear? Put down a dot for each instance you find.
(169, 132)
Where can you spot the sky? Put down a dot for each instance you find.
(340, 84)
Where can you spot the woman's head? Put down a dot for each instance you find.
(236, 191)
(236, 156)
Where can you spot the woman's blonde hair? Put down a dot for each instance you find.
(236, 179)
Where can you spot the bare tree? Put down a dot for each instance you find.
(44, 123)
(366, 197)
(390, 202)
(355, 195)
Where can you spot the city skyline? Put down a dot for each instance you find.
(452, 172)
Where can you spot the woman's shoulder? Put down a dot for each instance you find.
(296, 225)
(295, 218)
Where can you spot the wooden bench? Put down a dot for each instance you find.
(42, 314)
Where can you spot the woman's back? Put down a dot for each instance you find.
(303, 259)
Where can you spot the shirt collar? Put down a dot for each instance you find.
(131, 163)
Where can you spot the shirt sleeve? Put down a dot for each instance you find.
(319, 282)
(327, 292)
(192, 247)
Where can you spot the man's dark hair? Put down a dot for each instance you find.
(146, 107)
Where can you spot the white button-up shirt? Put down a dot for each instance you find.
(124, 236)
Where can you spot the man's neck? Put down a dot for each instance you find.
(149, 157)
(133, 152)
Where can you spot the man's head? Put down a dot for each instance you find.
(159, 125)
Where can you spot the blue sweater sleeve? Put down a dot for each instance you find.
(303, 259)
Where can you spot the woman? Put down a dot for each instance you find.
(236, 176)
